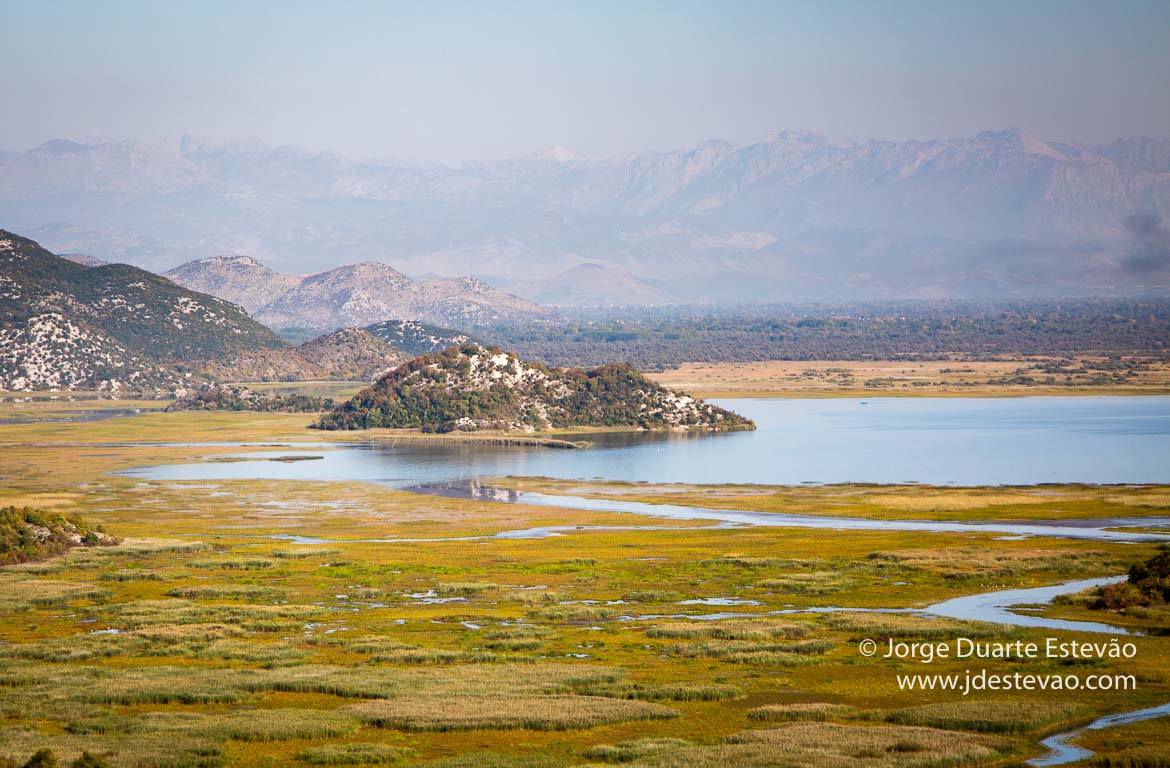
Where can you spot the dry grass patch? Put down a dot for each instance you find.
(819, 711)
(729, 630)
(245, 650)
(882, 626)
(185, 633)
(358, 753)
(139, 574)
(76, 648)
(414, 655)
(712, 692)
(232, 563)
(829, 745)
(465, 588)
(132, 546)
(18, 593)
(542, 713)
(990, 716)
(225, 592)
(628, 751)
(128, 749)
(751, 652)
(304, 553)
(816, 583)
(1001, 563)
(254, 725)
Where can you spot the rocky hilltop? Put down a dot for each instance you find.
(64, 325)
(471, 387)
(351, 295)
(415, 338)
(239, 279)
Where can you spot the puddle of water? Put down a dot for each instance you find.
(719, 601)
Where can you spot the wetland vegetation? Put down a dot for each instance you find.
(210, 634)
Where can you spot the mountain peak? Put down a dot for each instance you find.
(564, 155)
(60, 147)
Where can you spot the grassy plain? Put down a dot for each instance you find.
(1079, 375)
(204, 639)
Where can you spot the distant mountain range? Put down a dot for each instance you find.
(793, 217)
(348, 296)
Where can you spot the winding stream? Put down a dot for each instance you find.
(1061, 751)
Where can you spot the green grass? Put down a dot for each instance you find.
(219, 625)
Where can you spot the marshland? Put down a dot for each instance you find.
(243, 618)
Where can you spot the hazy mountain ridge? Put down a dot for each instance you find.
(350, 296)
(794, 216)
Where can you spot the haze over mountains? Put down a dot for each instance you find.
(351, 295)
(794, 217)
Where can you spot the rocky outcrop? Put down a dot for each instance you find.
(472, 387)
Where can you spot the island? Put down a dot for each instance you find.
(471, 388)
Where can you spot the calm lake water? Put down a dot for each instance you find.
(962, 441)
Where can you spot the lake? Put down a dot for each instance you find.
(939, 441)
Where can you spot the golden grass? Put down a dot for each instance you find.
(990, 716)
(814, 711)
(829, 745)
(541, 713)
(354, 753)
(764, 629)
(875, 378)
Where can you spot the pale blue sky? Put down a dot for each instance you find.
(468, 81)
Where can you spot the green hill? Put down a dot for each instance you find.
(32, 534)
(113, 326)
(472, 387)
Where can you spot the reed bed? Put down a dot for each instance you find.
(542, 713)
(354, 753)
(253, 725)
(232, 563)
(225, 591)
(990, 716)
(680, 692)
(813, 711)
(882, 626)
(629, 751)
(728, 630)
(831, 745)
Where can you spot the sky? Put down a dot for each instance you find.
(459, 82)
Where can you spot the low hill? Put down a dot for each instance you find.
(471, 387)
(66, 325)
(415, 338)
(351, 354)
